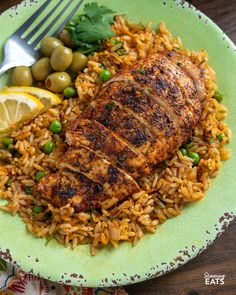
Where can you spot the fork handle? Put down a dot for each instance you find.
(4, 67)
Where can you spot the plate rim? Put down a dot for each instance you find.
(222, 224)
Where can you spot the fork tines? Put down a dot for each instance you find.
(68, 10)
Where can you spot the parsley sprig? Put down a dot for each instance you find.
(89, 29)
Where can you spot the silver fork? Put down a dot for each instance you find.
(18, 51)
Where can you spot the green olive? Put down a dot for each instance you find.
(57, 82)
(79, 62)
(41, 69)
(66, 38)
(61, 58)
(48, 44)
(21, 76)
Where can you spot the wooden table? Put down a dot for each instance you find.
(220, 258)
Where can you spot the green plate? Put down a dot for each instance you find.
(177, 240)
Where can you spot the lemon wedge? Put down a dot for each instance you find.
(47, 98)
(16, 108)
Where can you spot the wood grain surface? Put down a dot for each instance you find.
(220, 258)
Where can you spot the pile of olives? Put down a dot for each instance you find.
(55, 68)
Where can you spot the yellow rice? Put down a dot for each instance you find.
(164, 192)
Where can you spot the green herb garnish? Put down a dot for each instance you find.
(17, 154)
(102, 66)
(142, 71)
(114, 42)
(188, 144)
(7, 141)
(218, 96)
(120, 160)
(37, 209)
(166, 163)
(9, 182)
(28, 190)
(121, 50)
(48, 215)
(110, 105)
(89, 29)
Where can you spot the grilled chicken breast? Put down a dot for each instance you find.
(65, 187)
(83, 160)
(138, 119)
(103, 141)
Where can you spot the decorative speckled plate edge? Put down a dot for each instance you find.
(179, 239)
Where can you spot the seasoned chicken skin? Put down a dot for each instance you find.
(65, 187)
(138, 119)
(115, 182)
(103, 141)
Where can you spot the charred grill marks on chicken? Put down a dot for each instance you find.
(138, 119)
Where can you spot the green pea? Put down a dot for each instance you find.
(55, 126)
(69, 92)
(212, 139)
(218, 96)
(221, 136)
(39, 175)
(28, 190)
(183, 151)
(195, 157)
(104, 75)
(49, 147)
(37, 209)
(7, 141)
